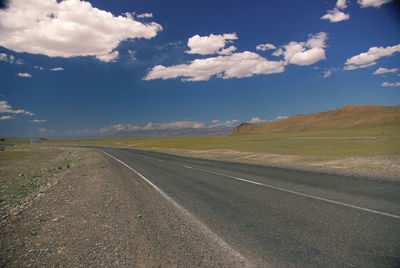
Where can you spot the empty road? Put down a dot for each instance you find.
(279, 217)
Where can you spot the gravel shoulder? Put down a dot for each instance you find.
(96, 213)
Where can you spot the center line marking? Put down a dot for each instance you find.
(298, 193)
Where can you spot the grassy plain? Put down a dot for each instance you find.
(370, 141)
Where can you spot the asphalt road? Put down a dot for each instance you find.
(281, 217)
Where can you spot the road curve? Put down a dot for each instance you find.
(280, 217)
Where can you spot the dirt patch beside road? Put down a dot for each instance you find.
(99, 214)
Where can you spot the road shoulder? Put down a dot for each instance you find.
(100, 214)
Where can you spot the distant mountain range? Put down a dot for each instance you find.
(213, 131)
(351, 116)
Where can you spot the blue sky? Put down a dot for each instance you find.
(76, 69)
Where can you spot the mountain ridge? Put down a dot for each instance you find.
(350, 116)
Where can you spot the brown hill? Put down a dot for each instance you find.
(350, 116)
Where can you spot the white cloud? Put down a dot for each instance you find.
(278, 52)
(382, 70)
(256, 120)
(328, 72)
(341, 4)
(84, 131)
(355, 67)
(10, 59)
(57, 69)
(39, 120)
(56, 29)
(227, 51)
(3, 57)
(281, 117)
(179, 125)
(42, 130)
(335, 15)
(229, 123)
(387, 84)
(368, 58)
(151, 126)
(6, 117)
(132, 54)
(6, 108)
(24, 75)
(264, 47)
(306, 53)
(372, 3)
(215, 121)
(144, 15)
(38, 67)
(212, 44)
(245, 64)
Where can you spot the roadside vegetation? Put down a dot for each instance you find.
(367, 151)
(27, 170)
(371, 141)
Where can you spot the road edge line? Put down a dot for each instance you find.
(195, 220)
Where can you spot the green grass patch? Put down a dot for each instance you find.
(13, 155)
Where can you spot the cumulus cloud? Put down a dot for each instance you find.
(67, 29)
(368, 58)
(335, 15)
(6, 117)
(26, 75)
(39, 120)
(6, 108)
(57, 69)
(229, 123)
(264, 47)
(305, 53)
(388, 84)
(151, 126)
(212, 44)
(373, 3)
(256, 120)
(382, 70)
(245, 64)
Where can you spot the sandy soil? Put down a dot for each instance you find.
(96, 213)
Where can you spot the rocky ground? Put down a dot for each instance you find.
(83, 211)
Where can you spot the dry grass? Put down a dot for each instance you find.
(352, 116)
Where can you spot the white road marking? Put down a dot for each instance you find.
(298, 193)
(203, 227)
